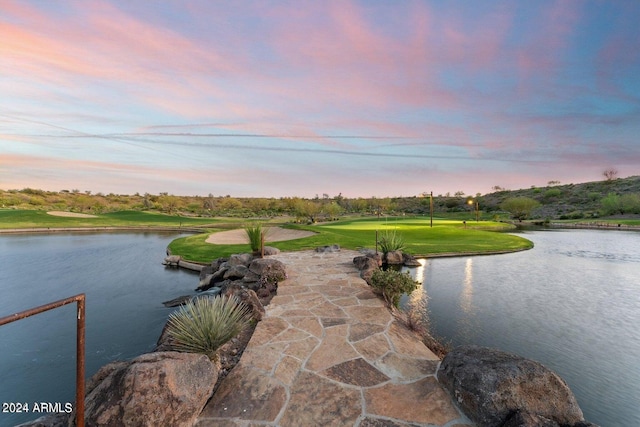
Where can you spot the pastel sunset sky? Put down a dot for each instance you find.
(298, 98)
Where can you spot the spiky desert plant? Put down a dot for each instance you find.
(254, 233)
(390, 240)
(203, 325)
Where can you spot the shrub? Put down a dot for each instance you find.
(552, 193)
(575, 215)
(392, 284)
(391, 241)
(203, 325)
(255, 237)
(611, 204)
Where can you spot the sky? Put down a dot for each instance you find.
(303, 98)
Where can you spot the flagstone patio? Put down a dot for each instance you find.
(329, 353)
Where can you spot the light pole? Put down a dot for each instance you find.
(430, 206)
(477, 207)
(431, 209)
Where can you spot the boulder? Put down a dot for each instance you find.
(268, 266)
(410, 260)
(236, 272)
(270, 250)
(250, 277)
(177, 301)
(525, 419)
(240, 259)
(249, 298)
(367, 274)
(393, 258)
(490, 386)
(366, 262)
(205, 281)
(328, 249)
(212, 279)
(165, 388)
(207, 270)
(172, 260)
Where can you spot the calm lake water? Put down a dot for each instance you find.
(571, 303)
(125, 285)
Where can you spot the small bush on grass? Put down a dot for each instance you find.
(391, 241)
(203, 325)
(255, 237)
(392, 285)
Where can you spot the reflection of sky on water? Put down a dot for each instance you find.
(467, 287)
(418, 272)
(572, 303)
(416, 304)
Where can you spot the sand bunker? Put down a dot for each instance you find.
(71, 214)
(272, 234)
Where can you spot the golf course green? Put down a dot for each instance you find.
(445, 237)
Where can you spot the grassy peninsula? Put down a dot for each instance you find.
(447, 236)
(461, 223)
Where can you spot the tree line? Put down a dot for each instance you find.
(555, 201)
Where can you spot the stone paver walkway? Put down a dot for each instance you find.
(329, 353)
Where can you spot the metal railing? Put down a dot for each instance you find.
(80, 299)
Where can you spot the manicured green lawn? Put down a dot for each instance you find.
(40, 219)
(446, 236)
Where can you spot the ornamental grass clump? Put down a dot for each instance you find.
(392, 284)
(255, 233)
(391, 241)
(203, 325)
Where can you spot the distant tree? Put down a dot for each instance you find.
(169, 203)
(497, 188)
(519, 207)
(610, 174)
(229, 203)
(308, 209)
(553, 183)
(459, 193)
(147, 202)
(333, 210)
(209, 202)
(82, 202)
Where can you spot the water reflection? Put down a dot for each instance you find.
(467, 287)
(415, 305)
(418, 272)
(571, 303)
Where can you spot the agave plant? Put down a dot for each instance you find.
(203, 325)
(254, 234)
(391, 241)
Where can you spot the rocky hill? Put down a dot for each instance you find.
(610, 198)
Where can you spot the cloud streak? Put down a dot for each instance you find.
(451, 91)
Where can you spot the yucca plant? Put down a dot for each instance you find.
(203, 325)
(390, 240)
(254, 233)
